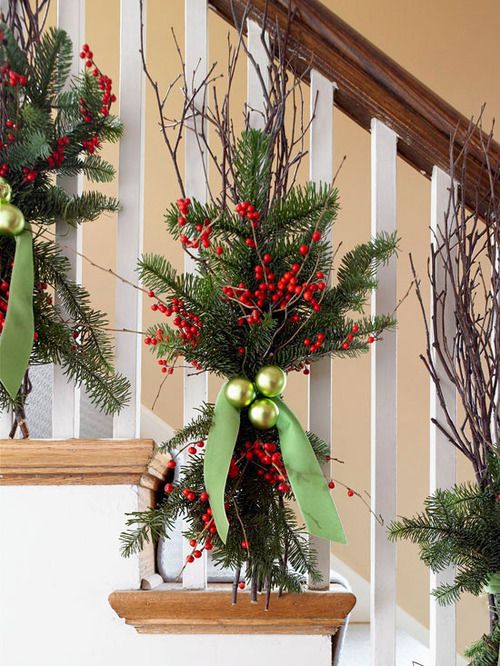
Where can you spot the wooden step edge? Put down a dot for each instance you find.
(82, 462)
(211, 612)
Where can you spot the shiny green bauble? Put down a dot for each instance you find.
(11, 220)
(240, 392)
(263, 413)
(271, 381)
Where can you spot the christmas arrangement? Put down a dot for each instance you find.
(262, 304)
(460, 526)
(51, 126)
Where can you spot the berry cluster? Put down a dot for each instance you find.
(29, 175)
(203, 230)
(11, 78)
(316, 344)
(56, 157)
(188, 323)
(269, 463)
(278, 294)
(92, 144)
(247, 211)
(105, 83)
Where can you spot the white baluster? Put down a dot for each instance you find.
(130, 227)
(442, 453)
(196, 57)
(257, 76)
(65, 395)
(383, 409)
(5, 424)
(320, 383)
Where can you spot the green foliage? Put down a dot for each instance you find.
(485, 651)
(52, 136)
(460, 527)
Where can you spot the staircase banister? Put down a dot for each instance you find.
(372, 85)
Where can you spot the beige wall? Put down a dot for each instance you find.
(452, 46)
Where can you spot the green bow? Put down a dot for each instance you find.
(16, 340)
(304, 472)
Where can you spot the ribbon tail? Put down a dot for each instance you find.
(493, 587)
(218, 452)
(306, 478)
(16, 340)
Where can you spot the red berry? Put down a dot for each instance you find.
(197, 554)
(203, 496)
(244, 544)
(189, 558)
(219, 250)
(169, 487)
(316, 236)
(171, 464)
(303, 249)
(331, 485)
(192, 450)
(371, 339)
(345, 345)
(241, 585)
(192, 543)
(191, 497)
(355, 328)
(266, 258)
(350, 493)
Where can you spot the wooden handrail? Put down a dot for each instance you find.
(372, 85)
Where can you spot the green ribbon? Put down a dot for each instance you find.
(493, 587)
(16, 340)
(303, 469)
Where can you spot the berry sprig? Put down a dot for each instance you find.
(203, 229)
(247, 211)
(105, 84)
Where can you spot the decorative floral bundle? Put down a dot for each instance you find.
(50, 126)
(261, 305)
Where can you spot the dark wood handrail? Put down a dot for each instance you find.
(372, 85)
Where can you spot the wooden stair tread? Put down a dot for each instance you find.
(81, 462)
(210, 611)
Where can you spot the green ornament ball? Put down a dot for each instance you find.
(240, 392)
(263, 413)
(11, 220)
(271, 381)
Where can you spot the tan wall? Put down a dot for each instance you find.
(452, 46)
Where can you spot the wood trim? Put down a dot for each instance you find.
(371, 85)
(175, 611)
(82, 462)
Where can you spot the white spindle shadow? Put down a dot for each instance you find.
(65, 395)
(442, 453)
(383, 409)
(130, 228)
(196, 59)
(320, 383)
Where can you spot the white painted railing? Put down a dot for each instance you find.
(129, 301)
